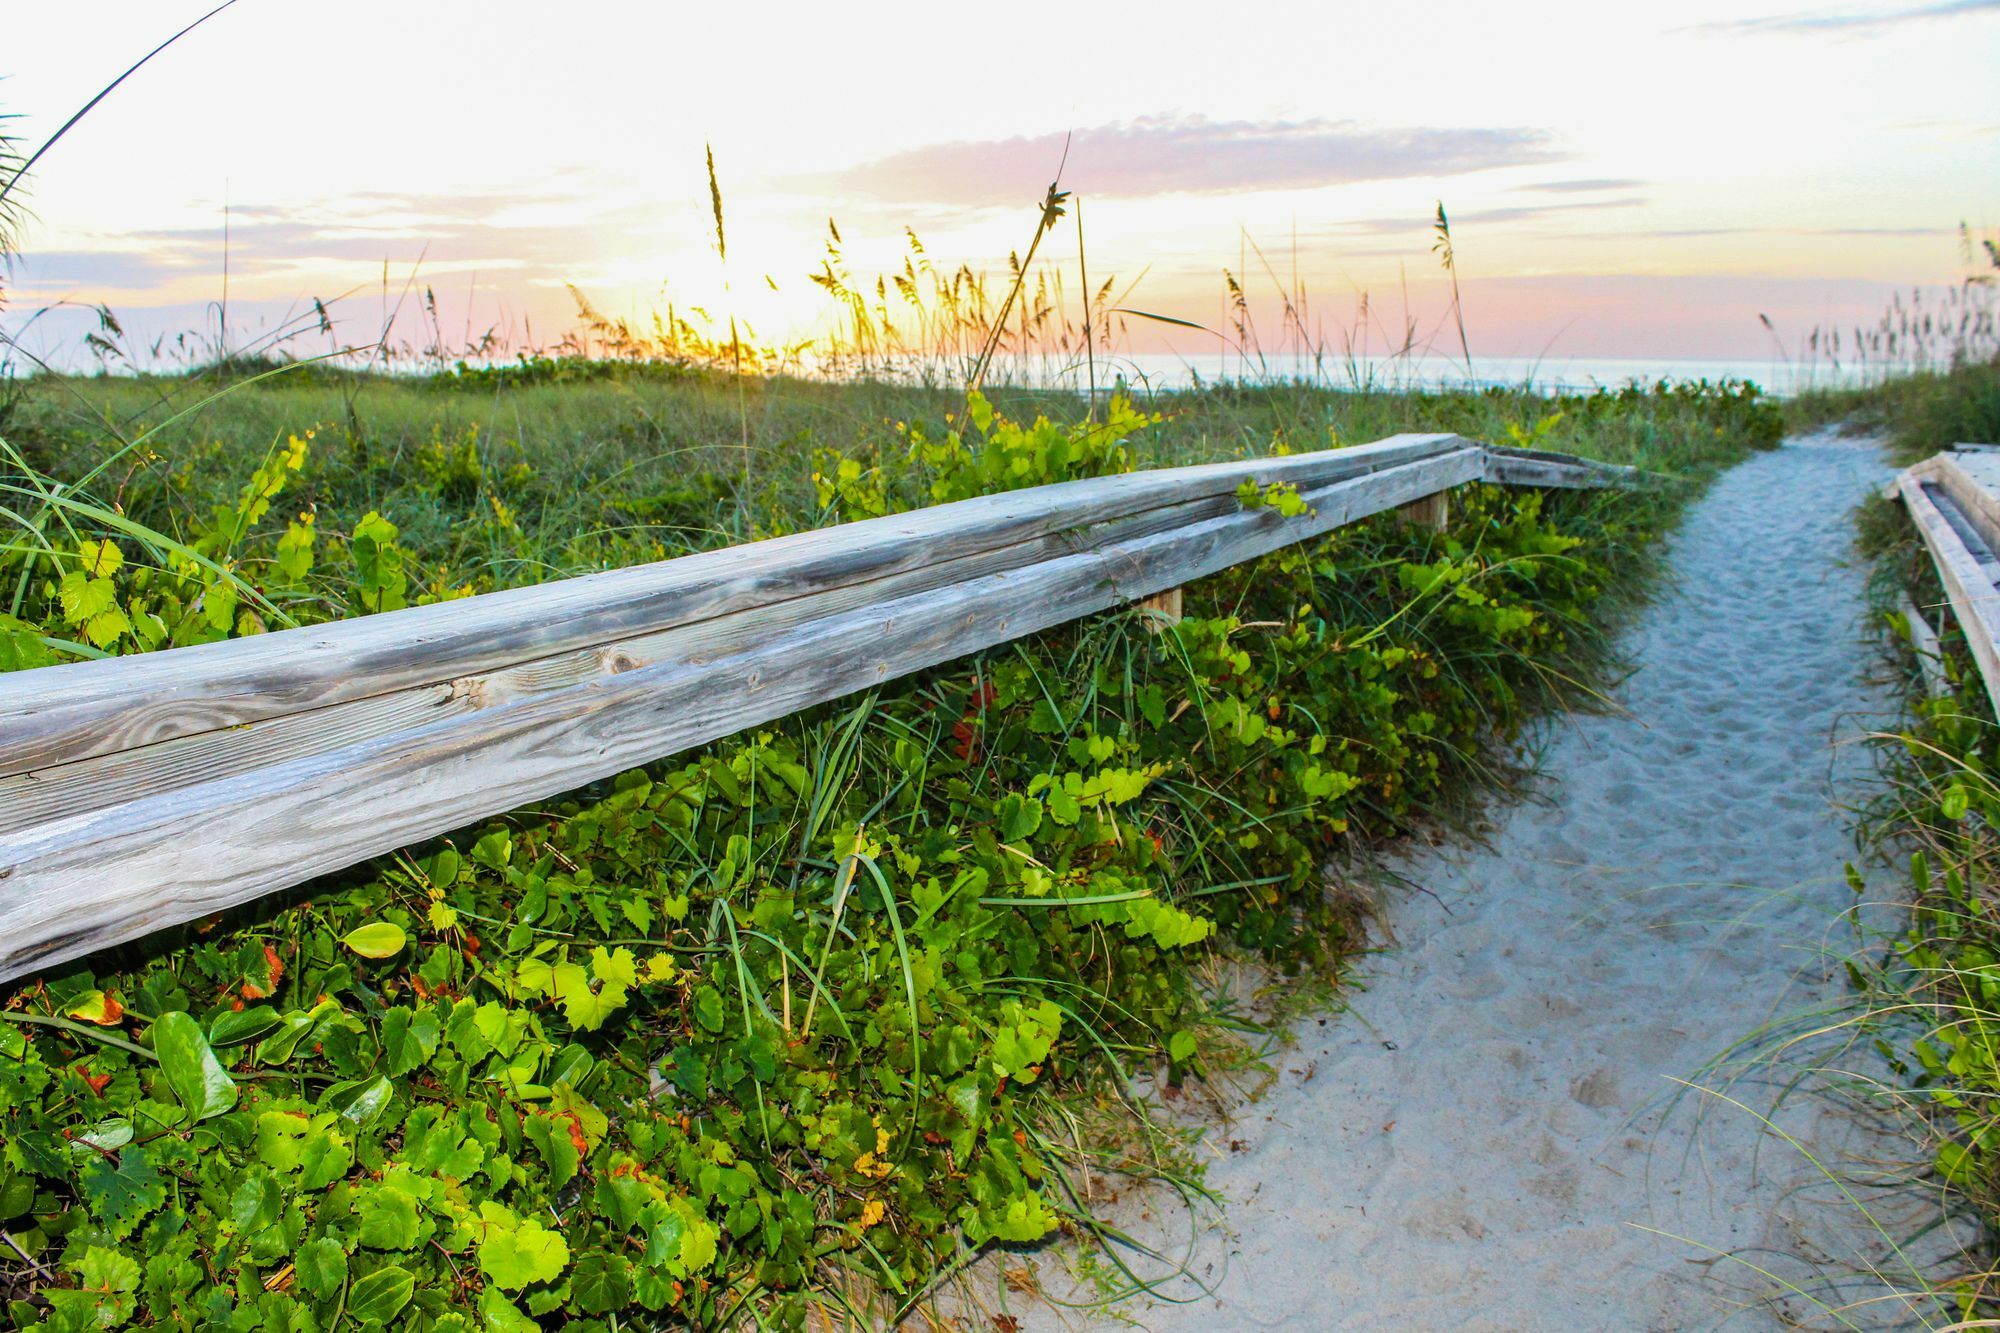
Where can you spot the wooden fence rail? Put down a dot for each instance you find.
(138, 792)
(1954, 501)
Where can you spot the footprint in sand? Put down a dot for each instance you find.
(1599, 1088)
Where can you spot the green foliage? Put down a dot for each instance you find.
(1922, 413)
(380, 583)
(1931, 1000)
(377, 939)
(193, 1073)
(1934, 999)
(998, 454)
(121, 1189)
(515, 1253)
(787, 1014)
(1277, 495)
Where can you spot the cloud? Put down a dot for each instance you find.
(1847, 22)
(1581, 186)
(1683, 233)
(1873, 231)
(1938, 127)
(452, 231)
(1422, 221)
(1157, 155)
(115, 270)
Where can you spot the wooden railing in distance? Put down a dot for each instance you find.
(1953, 499)
(138, 792)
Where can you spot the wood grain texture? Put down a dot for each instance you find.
(1968, 579)
(102, 875)
(60, 714)
(1972, 480)
(1433, 511)
(1161, 610)
(27, 799)
(1534, 467)
(1924, 643)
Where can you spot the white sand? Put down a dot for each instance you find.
(1470, 1147)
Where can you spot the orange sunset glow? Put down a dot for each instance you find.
(1622, 181)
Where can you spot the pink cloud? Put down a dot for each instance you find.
(1184, 154)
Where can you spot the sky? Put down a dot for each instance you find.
(1623, 180)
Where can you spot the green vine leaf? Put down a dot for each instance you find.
(321, 1267)
(679, 1239)
(558, 1149)
(106, 1282)
(377, 939)
(1019, 817)
(409, 1038)
(381, 1296)
(516, 1252)
(123, 1189)
(601, 1282)
(387, 1214)
(192, 1071)
(21, 647)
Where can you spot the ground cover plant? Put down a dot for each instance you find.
(787, 1028)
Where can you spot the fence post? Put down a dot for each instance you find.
(1433, 511)
(1160, 610)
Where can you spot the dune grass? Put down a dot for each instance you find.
(1919, 414)
(607, 462)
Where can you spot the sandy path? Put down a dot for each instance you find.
(1469, 1147)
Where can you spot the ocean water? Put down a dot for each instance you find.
(1554, 374)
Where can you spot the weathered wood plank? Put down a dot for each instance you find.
(161, 766)
(1534, 467)
(102, 876)
(1972, 480)
(60, 714)
(1970, 532)
(1924, 643)
(1967, 581)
